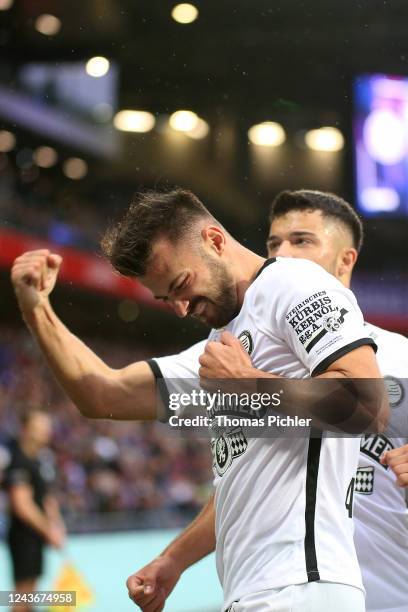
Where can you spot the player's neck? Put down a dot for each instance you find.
(245, 272)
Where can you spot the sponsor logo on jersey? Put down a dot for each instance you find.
(226, 448)
(364, 482)
(246, 340)
(395, 391)
(332, 323)
(374, 446)
(313, 318)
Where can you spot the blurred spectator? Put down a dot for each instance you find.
(35, 516)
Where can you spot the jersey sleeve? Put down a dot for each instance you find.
(175, 375)
(17, 472)
(317, 316)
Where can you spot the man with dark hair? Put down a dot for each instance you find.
(331, 207)
(127, 245)
(326, 229)
(35, 517)
(298, 322)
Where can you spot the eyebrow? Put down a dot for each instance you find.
(294, 234)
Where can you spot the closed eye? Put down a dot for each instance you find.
(184, 283)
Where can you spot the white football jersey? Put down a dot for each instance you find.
(380, 510)
(283, 504)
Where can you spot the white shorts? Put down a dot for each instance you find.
(309, 597)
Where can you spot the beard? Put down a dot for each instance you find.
(221, 302)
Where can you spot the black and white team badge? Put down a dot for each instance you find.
(395, 391)
(364, 483)
(226, 448)
(246, 340)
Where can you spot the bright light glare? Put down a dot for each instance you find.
(49, 25)
(75, 168)
(200, 131)
(97, 66)
(267, 134)
(325, 139)
(134, 121)
(184, 121)
(379, 199)
(384, 136)
(45, 157)
(7, 141)
(184, 13)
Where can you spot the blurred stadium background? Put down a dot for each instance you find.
(234, 100)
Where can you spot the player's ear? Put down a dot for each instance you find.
(348, 258)
(214, 238)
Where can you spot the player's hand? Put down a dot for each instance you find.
(397, 460)
(150, 586)
(34, 275)
(56, 536)
(226, 359)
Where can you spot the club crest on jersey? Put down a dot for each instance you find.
(226, 448)
(364, 483)
(246, 340)
(395, 391)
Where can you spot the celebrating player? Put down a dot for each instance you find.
(325, 229)
(272, 496)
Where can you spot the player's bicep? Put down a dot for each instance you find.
(130, 393)
(357, 363)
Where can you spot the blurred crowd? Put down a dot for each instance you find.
(37, 204)
(102, 467)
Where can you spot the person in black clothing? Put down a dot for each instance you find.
(35, 516)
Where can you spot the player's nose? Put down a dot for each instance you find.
(284, 249)
(180, 307)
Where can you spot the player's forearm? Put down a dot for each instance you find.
(196, 541)
(79, 371)
(332, 401)
(52, 509)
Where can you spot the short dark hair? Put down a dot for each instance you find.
(329, 204)
(128, 243)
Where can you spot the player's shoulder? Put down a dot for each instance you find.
(284, 276)
(387, 339)
(286, 269)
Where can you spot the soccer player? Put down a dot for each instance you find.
(273, 496)
(324, 228)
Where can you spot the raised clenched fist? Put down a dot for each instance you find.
(34, 275)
